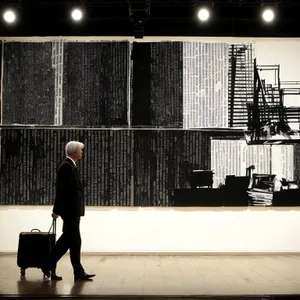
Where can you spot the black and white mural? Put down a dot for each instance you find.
(95, 84)
(28, 83)
(205, 96)
(157, 85)
(30, 157)
(171, 123)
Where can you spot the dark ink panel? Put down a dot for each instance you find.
(28, 83)
(162, 162)
(157, 84)
(141, 112)
(95, 84)
(1, 112)
(30, 158)
(297, 162)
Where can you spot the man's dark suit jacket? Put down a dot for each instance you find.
(69, 201)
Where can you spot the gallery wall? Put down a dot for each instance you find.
(166, 230)
(148, 112)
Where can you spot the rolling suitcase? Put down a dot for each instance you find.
(35, 248)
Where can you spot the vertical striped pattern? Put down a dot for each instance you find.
(28, 83)
(163, 160)
(28, 163)
(157, 84)
(283, 161)
(95, 83)
(205, 85)
(296, 162)
(166, 84)
(141, 111)
(159, 161)
(57, 64)
(1, 81)
(227, 158)
(232, 157)
(259, 156)
(30, 158)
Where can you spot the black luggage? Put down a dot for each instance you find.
(35, 248)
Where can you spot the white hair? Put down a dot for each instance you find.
(73, 146)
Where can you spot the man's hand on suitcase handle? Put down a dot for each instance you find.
(54, 216)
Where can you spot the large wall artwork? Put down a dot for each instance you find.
(165, 123)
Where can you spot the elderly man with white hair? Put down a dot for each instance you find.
(69, 204)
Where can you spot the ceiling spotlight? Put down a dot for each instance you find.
(76, 14)
(9, 16)
(203, 14)
(268, 15)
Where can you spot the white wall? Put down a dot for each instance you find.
(171, 230)
(108, 229)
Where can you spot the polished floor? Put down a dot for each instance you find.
(161, 276)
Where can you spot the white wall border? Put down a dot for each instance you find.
(167, 230)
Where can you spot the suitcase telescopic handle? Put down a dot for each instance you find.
(53, 227)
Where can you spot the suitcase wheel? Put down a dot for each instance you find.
(22, 272)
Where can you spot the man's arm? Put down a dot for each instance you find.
(64, 177)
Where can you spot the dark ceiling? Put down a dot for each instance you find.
(151, 18)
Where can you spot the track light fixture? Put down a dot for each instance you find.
(203, 11)
(9, 16)
(77, 14)
(203, 14)
(139, 13)
(268, 14)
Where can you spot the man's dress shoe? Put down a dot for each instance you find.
(55, 277)
(48, 273)
(83, 276)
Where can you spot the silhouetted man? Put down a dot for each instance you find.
(69, 204)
